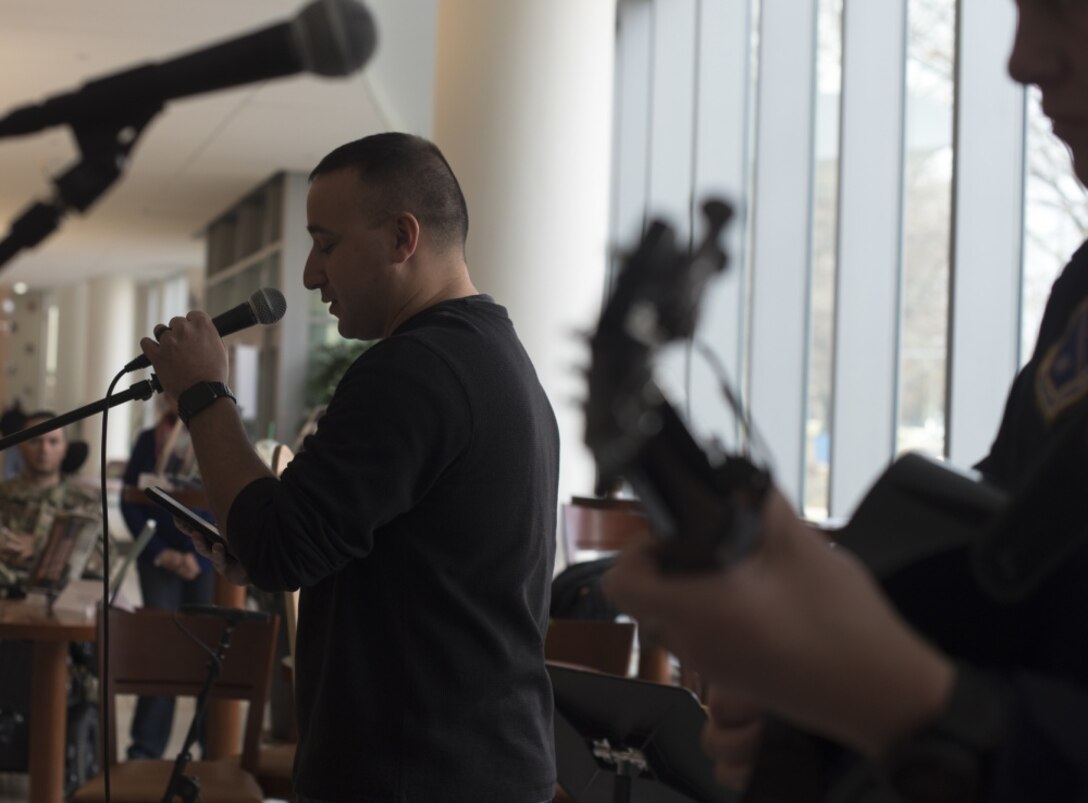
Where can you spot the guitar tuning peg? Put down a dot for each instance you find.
(717, 212)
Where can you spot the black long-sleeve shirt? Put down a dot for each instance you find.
(419, 521)
(1045, 756)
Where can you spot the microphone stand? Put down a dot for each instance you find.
(105, 147)
(181, 785)
(142, 391)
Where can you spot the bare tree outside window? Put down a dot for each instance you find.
(824, 258)
(1055, 219)
(927, 225)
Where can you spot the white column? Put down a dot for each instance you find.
(863, 424)
(782, 236)
(721, 161)
(293, 330)
(111, 341)
(523, 100)
(683, 73)
(74, 340)
(989, 202)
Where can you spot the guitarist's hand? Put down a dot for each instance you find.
(799, 627)
(732, 735)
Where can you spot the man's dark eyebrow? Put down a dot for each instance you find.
(318, 230)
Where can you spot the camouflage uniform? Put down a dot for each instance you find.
(29, 510)
(26, 509)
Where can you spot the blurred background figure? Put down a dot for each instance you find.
(31, 500)
(171, 573)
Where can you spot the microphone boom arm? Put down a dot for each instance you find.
(140, 391)
(105, 150)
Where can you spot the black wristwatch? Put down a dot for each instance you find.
(199, 396)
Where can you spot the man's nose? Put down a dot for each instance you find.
(310, 274)
(1036, 53)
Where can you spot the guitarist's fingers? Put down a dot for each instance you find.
(634, 584)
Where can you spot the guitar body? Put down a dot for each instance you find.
(916, 529)
(916, 508)
(964, 561)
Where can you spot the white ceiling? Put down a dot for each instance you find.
(200, 154)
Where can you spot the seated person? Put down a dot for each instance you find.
(30, 501)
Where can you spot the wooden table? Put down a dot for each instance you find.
(50, 633)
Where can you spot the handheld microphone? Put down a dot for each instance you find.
(328, 37)
(232, 615)
(265, 306)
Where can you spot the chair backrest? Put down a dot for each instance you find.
(150, 655)
(608, 525)
(290, 606)
(604, 646)
(601, 525)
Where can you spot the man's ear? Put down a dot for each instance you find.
(406, 236)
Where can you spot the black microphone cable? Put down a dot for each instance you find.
(104, 647)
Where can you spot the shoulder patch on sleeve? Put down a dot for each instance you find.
(1062, 377)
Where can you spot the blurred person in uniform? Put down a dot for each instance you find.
(30, 501)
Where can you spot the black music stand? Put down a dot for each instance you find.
(621, 740)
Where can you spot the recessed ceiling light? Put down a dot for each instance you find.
(19, 288)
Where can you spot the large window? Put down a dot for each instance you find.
(160, 300)
(903, 213)
(824, 258)
(927, 226)
(1055, 218)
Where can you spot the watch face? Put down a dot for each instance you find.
(199, 396)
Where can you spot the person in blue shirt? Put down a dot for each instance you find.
(171, 573)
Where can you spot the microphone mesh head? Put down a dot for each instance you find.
(268, 305)
(337, 36)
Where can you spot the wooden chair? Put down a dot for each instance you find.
(290, 604)
(591, 644)
(601, 525)
(275, 770)
(150, 655)
(608, 525)
(604, 646)
(276, 761)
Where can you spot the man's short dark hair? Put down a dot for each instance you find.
(13, 419)
(40, 417)
(44, 415)
(409, 174)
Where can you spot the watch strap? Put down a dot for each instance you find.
(197, 397)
